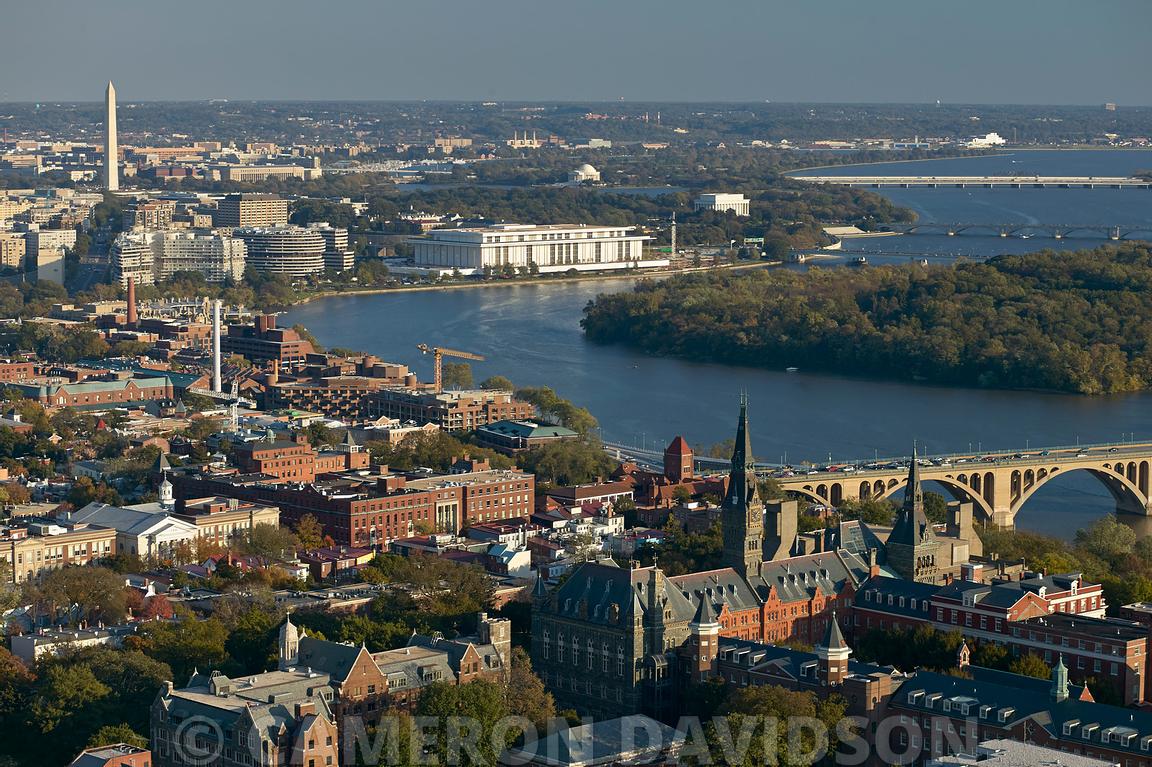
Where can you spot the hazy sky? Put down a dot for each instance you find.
(1006, 51)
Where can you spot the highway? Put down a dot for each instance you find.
(1013, 182)
(654, 458)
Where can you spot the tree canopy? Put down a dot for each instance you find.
(1074, 322)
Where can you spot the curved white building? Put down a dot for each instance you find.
(291, 250)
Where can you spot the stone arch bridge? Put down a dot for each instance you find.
(997, 485)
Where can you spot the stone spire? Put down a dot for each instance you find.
(111, 145)
(167, 496)
(742, 515)
(833, 653)
(705, 614)
(1060, 681)
(914, 492)
(289, 644)
(912, 544)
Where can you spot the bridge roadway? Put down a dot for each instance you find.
(1011, 182)
(1018, 229)
(997, 483)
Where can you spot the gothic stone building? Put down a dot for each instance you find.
(604, 641)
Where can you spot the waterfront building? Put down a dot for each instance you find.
(289, 250)
(251, 210)
(154, 256)
(511, 437)
(262, 341)
(737, 203)
(982, 142)
(338, 257)
(543, 248)
(450, 410)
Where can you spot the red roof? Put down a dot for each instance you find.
(679, 446)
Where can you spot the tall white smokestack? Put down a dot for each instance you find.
(111, 146)
(216, 384)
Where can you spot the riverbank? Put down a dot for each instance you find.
(516, 281)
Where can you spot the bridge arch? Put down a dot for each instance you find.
(1127, 494)
(807, 493)
(958, 491)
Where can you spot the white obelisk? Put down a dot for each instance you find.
(111, 147)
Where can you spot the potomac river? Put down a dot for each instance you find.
(531, 334)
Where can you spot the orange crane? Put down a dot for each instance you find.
(438, 353)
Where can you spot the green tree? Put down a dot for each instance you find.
(270, 541)
(84, 491)
(1030, 665)
(567, 462)
(935, 508)
(89, 594)
(184, 645)
(484, 703)
(1107, 538)
(457, 375)
(309, 532)
(497, 383)
(110, 735)
(527, 695)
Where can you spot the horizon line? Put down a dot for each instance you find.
(740, 102)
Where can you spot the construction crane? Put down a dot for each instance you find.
(438, 353)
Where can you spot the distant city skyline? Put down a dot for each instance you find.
(841, 51)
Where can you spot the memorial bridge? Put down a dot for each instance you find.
(998, 484)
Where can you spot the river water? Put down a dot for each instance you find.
(531, 334)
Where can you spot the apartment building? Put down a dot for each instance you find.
(451, 411)
(237, 210)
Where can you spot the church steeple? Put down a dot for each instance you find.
(742, 514)
(914, 493)
(912, 544)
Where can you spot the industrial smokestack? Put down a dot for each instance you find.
(216, 384)
(132, 318)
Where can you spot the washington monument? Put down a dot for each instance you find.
(111, 147)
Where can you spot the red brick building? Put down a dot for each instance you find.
(295, 459)
(262, 341)
(1021, 616)
(369, 511)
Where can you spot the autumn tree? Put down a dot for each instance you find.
(309, 532)
(89, 594)
(527, 695)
